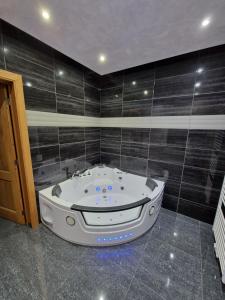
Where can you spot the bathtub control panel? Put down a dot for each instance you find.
(104, 189)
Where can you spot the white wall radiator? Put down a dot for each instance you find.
(219, 231)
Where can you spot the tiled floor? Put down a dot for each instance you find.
(174, 260)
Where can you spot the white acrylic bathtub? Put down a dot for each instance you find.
(102, 206)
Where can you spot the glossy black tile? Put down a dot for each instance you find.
(202, 177)
(110, 159)
(139, 74)
(137, 108)
(170, 202)
(43, 136)
(168, 137)
(33, 75)
(111, 140)
(112, 80)
(39, 100)
(72, 165)
(206, 139)
(134, 149)
(113, 134)
(209, 104)
(92, 159)
(172, 106)
(210, 81)
(164, 171)
(111, 102)
(21, 44)
(92, 78)
(134, 165)
(137, 135)
(92, 134)
(92, 147)
(71, 134)
(201, 195)
(173, 155)
(69, 89)
(211, 58)
(172, 188)
(92, 101)
(44, 155)
(174, 86)
(206, 159)
(72, 150)
(69, 105)
(199, 212)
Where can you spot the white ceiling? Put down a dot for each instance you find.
(129, 32)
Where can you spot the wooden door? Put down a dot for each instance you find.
(11, 201)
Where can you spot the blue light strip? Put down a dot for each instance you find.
(114, 238)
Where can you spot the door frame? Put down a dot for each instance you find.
(20, 129)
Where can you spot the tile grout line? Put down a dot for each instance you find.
(199, 224)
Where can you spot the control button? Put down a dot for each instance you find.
(151, 210)
(70, 221)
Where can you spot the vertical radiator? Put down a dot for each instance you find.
(219, 231)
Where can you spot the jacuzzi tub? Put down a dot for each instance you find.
(102, 206)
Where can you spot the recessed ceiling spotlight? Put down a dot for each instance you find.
(145, 92)
(102, 58)
(200, 70)
(198, 84)
(205, 22)
(29, 84)
(5, 50)
(45, 14)
(134, 82)
(61, 73)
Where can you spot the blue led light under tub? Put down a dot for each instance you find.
(98, 189)
(114, 238)
(109, 187)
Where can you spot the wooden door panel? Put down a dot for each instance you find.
(11, 202)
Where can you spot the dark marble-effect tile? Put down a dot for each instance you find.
(209, 104)
(69, 105)
(137, 108)
(72, 165)
(172, 188)
(207, 245)
(142, 90)
(39, 100)
(71, 134)
(202, 195)
(202, 177)
(92, 134)
(167, 154)
(92, 159)
(46, 176)
(92, 101)
(168, 137)
(112, 80)
(134, 149)
(164, 171)
(196, 211)
(170, 202)
(110, 159)
(33, 75)
(134, 165)
(110, 146)
(43, 136)
(92, 147)
(92, 78)
(210, 81)
(139, 74)
(206, 159)
(23, 45)
(174, 86)
(172, 106)
(211, 58)
(207, 139)
(44, 155)
(72, 150)
(69, 89)
(137, 135)
(111, 102)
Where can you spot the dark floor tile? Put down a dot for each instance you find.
(134, 165)
(72, 150)
(199, 212)
(167, 154)
(168, 137)
(209, 104)
(110, 159)
(164, 171)
(44, 155)
(207, 139)
(137, 135)
(71, 134)
(202, 177)
(39, 100)
(92, 134)
(207, 245)
(92, 101)
(134, 149)
(43, 136)
(172, 106)
(111, 102)
(206, 159)
(210, 81)
(69, 105)
(174, 86)
(202, 195)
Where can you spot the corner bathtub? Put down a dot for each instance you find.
(101, 207)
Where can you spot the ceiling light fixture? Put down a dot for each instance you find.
(134, 82)
(199, 70)
(29, 84)
(45, 14)
(205, 22)
(102, 58)
(145, 92)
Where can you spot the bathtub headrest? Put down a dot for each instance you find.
(151, 184)
(56, 190)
